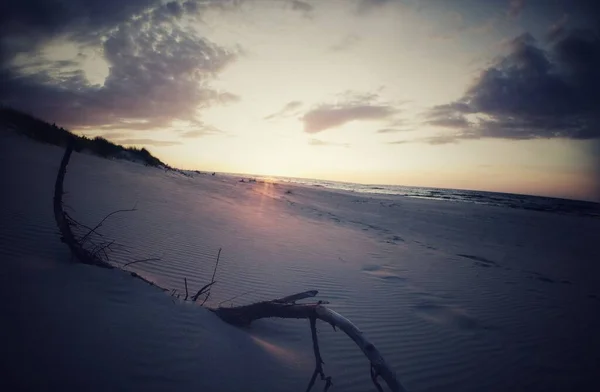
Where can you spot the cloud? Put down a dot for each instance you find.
(460, 28)
(114, 136)
(439, 139)
(290, 108)
(330, 116)
(558, 29)
(366, 6)
(391, 130)
(30, 22)
(531, 93)
(318, 142)
(352, 106)
(149, 142)
(452, 121)
(226, 98)
(301, 6)
(159, 70)
(444, 139)
(515, 7)
(205, 130)
(346, 43)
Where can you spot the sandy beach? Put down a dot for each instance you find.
(456, 296)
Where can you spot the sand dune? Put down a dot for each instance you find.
(456, 296)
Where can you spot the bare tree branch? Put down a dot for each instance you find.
(374, 379)
(237, 296)
(186, 290)
(244, 315)
(297, 297)
(202, 291)
(212, 280)
(318, 360)
(285, 307)
(64, 222)
(103, 220)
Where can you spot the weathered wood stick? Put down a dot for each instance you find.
(186, 290)
(285, 307)
(83, 255)
(297, 297)
(202, 290)
(244, 315)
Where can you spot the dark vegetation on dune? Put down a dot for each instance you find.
(44, 132)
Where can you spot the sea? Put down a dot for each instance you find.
(499, 199)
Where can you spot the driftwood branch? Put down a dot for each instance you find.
(318, 360)
(212, 280)
(186, 290)
(244, 315)
(235, 297)
(285, 307)
(290, 299)
(202, 290)
(93, 230)
(64, 222)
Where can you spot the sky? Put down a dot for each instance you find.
(498, 95)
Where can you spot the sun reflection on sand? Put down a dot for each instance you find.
(266, 191)
(283, 354)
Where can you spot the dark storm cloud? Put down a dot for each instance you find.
(515, 7)
(557, 29)
(531, 93)
(456, 121)
(158, 70)
(32, 21)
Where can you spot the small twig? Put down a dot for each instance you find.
(186, 290)
(103, 220)
(374, 379)
(75, 223)
(318, 360)
(202, 291)
(212, 280)
(103, 246)
(237, 296)
(216, 265)
(139, 261)
(297, 297)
